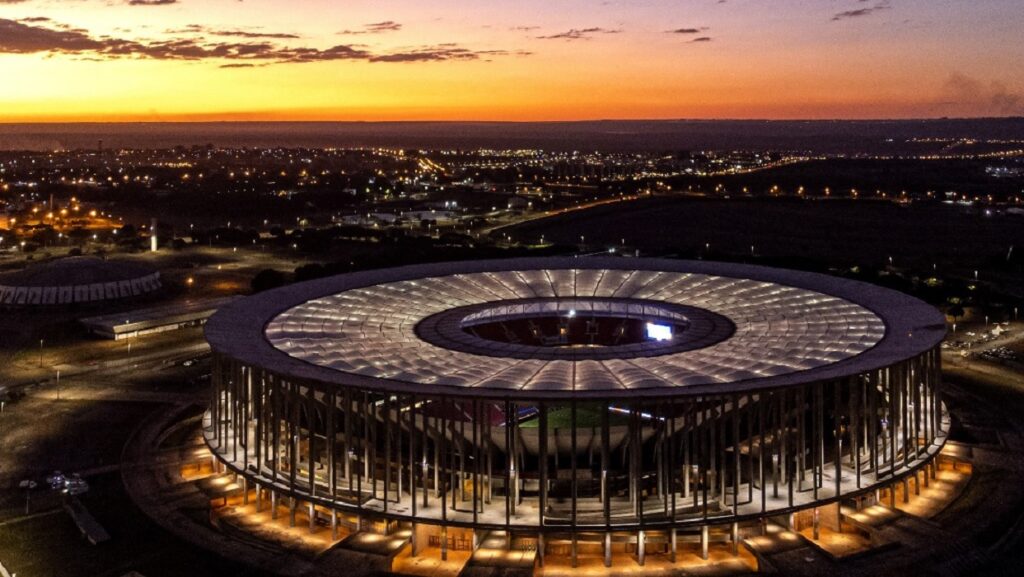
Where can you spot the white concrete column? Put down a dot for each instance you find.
(641, 549)
(704, 542)
(607, 549)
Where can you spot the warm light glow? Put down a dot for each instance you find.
(503, 60)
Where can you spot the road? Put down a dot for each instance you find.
(531, 216)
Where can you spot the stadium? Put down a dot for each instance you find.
(80, 281)
(576, 406)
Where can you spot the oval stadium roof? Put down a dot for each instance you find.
(364, 329)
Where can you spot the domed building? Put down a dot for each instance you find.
(592, 406)
(76, 280)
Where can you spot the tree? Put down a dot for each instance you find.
(267, 279)
(956, 311)
(309, 272)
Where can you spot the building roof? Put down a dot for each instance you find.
(149, 317)
(763, 328)
(75, 271)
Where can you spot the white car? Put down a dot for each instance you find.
(75, 485)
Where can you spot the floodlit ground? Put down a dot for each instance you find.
(278, 531)
(720, 561)
(931, 499)
(429, 564)
(837, 544)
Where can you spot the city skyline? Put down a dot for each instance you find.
(170, 60)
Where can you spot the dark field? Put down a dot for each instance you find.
(40, 435)
(804, 233)
(870, 178)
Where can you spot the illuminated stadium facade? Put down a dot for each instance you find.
(579, 404)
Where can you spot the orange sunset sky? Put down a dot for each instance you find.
(129, 60)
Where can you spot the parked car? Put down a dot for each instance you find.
(56, 480)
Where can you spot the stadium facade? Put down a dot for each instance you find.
(598, 404)
(77, 281)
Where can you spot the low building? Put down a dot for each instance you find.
(159, 319)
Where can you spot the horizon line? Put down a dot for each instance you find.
(482, 121)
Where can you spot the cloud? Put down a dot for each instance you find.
(687, 30)
(861, 12)
(435, 54)
(233, 33)
(19, 37)
(375, 28)
(579, 33)
(993, 97)
(386, 26)
(24, 38)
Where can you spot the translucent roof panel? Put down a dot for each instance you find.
(371, 330)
